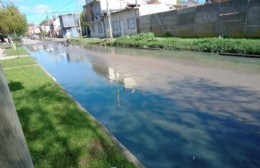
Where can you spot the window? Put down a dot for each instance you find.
(131, 23)
(115, 26)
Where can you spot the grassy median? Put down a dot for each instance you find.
(149, 41)
(58, 133)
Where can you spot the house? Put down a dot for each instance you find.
(32, 30)
(95, 11)
(69, 24)
(55, 29)
(51, 27)
(124, 14)
(187, 4)
(45, 27)
(123, 22)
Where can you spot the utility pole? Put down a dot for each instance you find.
(45, 24)
(78, 16)
(1, 6)
(109, 22)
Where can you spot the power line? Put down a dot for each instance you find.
(65, 5)
(55, 12)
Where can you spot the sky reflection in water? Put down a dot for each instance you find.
(165, 120)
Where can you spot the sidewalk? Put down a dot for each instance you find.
(3, 57)
(1, 53)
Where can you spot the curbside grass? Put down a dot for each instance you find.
(216, 45)
(57, 131)
(149, 41)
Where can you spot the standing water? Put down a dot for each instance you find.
(170, 109)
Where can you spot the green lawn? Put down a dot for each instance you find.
(216, 45)
(13, 52)
(149, 41)
(85, 40)
(58, 133)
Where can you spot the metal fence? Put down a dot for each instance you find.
(234, 18)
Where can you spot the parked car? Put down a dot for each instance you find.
(35, 37)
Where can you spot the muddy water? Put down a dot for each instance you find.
(169, 108)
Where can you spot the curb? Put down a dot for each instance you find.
(240, 55)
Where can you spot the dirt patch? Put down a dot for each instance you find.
(96, 148)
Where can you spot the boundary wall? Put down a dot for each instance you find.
(233, 18)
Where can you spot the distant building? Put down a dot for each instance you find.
(69, 25)
(55, 28)
(187, 4)
(32, 30)
(95, 11)
(45, 27)
(124, 15)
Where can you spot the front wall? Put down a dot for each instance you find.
(144, 25)
(253, 21)
(97, 29)
(234, 18)
(121, 19)
(206, 21)
(186, 20)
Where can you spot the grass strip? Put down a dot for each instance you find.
(86, 41)
(149, 41)
(13, 52)
(57, 131)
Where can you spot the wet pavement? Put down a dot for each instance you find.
(169, 108)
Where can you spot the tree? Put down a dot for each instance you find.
(179, 1)
(12, 21)
(84, 25)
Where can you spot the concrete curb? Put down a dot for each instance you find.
(240, 55)
(1, 53)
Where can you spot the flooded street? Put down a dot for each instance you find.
(171, 109)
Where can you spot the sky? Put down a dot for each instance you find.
(35, 10)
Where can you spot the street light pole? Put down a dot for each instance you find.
(109, 22)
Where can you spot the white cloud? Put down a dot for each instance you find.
(82, 2)
(38, 9)
(41, 8)
(23, 8)
(15, 1)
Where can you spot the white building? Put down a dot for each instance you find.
(69, 25)
(124, 14)
(32, 29)
(55, 27)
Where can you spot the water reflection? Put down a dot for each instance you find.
(170, 112)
